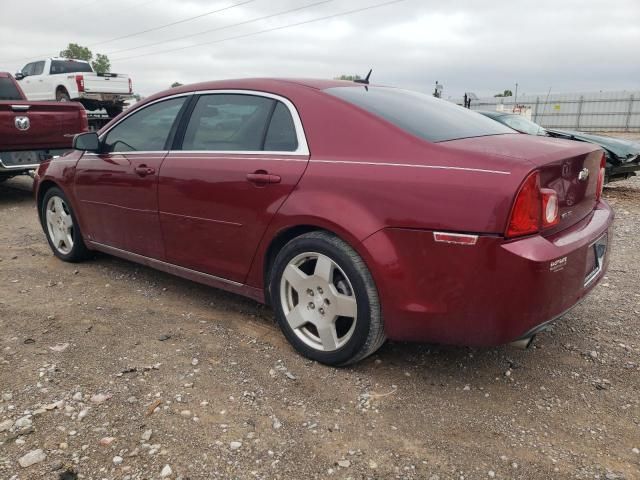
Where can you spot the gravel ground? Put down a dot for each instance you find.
(109, 370)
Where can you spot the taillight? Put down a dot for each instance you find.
(80, 83)
(603, 166)
(526, 211)
(130, 86)
(84, 120)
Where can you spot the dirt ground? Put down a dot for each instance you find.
(116, 371)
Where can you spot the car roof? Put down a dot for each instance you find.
(264, 83)
(4, 74)
(69, 59)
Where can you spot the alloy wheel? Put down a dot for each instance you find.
(318, 301)
(59, 225)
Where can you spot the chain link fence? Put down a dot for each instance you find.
(602, 111)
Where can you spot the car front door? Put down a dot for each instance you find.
(117, 188)
(28, 87)
(39, 85)
(240, 156)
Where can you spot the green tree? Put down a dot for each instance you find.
(350, 78)
(101, 64)
(176, 84)
(77, 52)
(506, 93)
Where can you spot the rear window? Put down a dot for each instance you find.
(8, 90)
(68, 66)
(422, 115)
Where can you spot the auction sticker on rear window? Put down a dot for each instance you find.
(558, 264)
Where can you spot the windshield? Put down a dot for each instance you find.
(521, 124)
(8, 90)
(419, 114)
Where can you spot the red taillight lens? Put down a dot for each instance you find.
(84, 120)
(130, 86)
(550, 207)
(80, 83)
(525, 215)
(603, 166)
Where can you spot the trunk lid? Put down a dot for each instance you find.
(568, 167)
(106, 83)
(51, 125)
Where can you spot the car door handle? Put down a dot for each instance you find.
(263, 178)
(143, 170)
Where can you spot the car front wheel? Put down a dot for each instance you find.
(325, 300)
(61, 227)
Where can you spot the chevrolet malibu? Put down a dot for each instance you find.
(359, 212)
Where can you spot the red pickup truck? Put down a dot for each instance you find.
(31, 132)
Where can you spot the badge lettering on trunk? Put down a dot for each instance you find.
(557, 265)
(22, 123)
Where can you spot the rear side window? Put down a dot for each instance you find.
(228, 122)
(68, 66)
(281, 135)
(8, 90)
(422, 115)
(146, 130)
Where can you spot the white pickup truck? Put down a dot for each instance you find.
(64, 80)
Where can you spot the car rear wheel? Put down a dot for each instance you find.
(62, 96)
(61, 227)
(325, 300)
(113, 111)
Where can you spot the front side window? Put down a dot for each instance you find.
(419, 114)
(146, 130)
(69, 66)
(229, 122)
(8, 90)
(28, 69)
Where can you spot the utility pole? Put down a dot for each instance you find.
(515, 101)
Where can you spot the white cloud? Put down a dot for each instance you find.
(467, 45)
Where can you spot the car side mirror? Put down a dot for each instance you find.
(19, 76)
(88, 142)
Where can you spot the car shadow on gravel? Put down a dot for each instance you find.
(243, 315)
(12, 194)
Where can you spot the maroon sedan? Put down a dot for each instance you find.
(358, 212)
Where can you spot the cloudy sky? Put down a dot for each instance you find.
(467, 45)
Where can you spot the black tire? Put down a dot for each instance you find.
(78, 251)
(367, 334)
(62, 96)
(113, 111)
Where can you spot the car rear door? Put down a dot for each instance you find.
(239, 156)
(117, 189)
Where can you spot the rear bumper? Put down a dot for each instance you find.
(19, 161)
(487, 294)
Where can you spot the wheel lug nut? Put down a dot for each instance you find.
(320, 290)
(327, 301)
(321, 310)
(310, 292)
(312, 305)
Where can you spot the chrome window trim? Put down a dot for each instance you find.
(303, 146)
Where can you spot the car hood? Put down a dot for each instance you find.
(624, 150)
